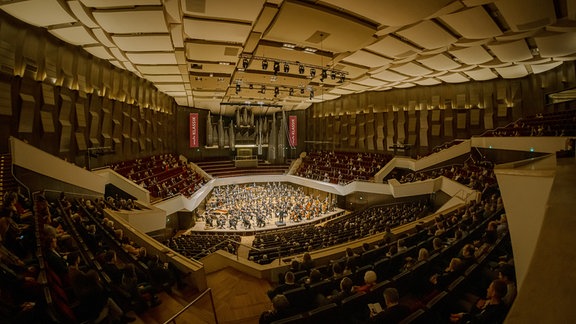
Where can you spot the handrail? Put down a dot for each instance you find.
(207, 291)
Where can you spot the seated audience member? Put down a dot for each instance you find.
(314, 277)
(346, 285)
(337, 271)
(140, 291)
(451, 272)
(507, 274)
(493, 310)
(280, 309)
(55, 258)
(307, 262)
(289, 283)
(423, 254)
(370, 278)
(394, 312)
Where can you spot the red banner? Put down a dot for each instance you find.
(193, 129)
(293, 130)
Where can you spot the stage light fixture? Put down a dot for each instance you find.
(342, 78)
(286, 68)
(324, 75)
(265, 65)
(301, 69)
(311, 94)
(251, 86)
(312, 72)
(245, 63)
(302, 91)
(333, 75)
(263, 89)
(238, 88)
(276, 91)
(276, 68)
(291, 92)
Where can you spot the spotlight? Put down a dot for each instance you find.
(276, 91)
(291, 92)
(265, 65)
(324, 75)
(245, 63)
(251, 86)
(301, 69)
(333, 75)
(312, 72)
(276, 67)
(263, 89)
(238, 88)
(286, 68)
(311, 94)
(302, 91)
(342, 78)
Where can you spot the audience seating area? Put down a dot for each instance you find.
(341, 167)
(226, 168)
(285, 242)
(561, 123)
(401, 268)
(199, 245)
(163, 175)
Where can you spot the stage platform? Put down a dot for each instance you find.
(201, 227)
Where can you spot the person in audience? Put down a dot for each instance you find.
(492, 310)
(337, 271)
(423, 254)
(394, 312)
(280, 309)
(55, 258)
(401, 246)
(345, 291)
(370, 279)
(314, 277)
(307, 262)
(289, 283)
(451, 272)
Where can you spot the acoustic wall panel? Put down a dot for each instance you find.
(5, 99)
(26, 123)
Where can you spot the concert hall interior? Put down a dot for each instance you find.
(287, 161)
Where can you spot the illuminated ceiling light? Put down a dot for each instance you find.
(276, 67)
(265, 65)
(301, 69)
(224, 63)
(288, 46)
(333, 75)
(286, 68)
(310, 50)
(312, 72)
(245, 63)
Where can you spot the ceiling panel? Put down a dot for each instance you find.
(556, 44)
(427, 81)
(392, 47)
(481, 74)
(483, 26)
(387, 75)
(212, 52)
(439, 62)
(428, 35)
(392, 12)
(80, 12)
(132, 21)
(99, 51)
(366, 59)
(472, 55)
(151, 58)
(318, 28)
(41, 13)
(453, 78)
(108, 4)
(539, 68)
(526, 14)
(512, 72)
(218, 31)
(77, 35)
(164, 78)
(158, 69)
(143, 43)
(511, 51)
(411, 69)
(245, 10)
(370, 82)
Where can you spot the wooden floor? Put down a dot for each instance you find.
(238, 298)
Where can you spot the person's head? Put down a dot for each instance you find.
(370, 277)
(74, 258)
(336, 269)
(315, 276)
(401, 243)
(295, 265)
(455, 264)
(437, 243)
(497, 289)
(365, 246)
(349, 252)
(289, 277)
(306, 257)
(280, 303)
(391, 296)
(506, 273)
(110, 256)
(423, 254)
(346, 284)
